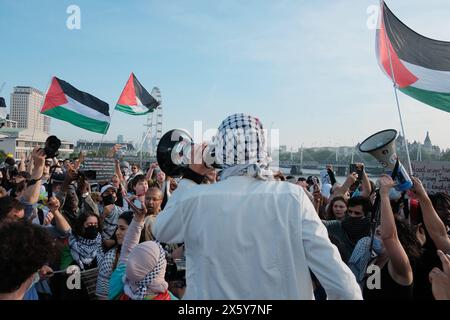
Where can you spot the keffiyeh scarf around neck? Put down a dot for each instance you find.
(143, 285)
(240, 148)
(84, 251)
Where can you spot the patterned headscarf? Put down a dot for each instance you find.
(240, 147)
(148, 255)
(360, 258)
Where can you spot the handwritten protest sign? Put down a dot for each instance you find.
(435, 175)
(104, 167)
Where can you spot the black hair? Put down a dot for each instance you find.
(24, 248)
(301, 179)
(127, 216)
(395, 205)
(23, 174)
(329, 213)
(441, 203)
(310, 180)
(7, 204)
(18, 187)
(373, 186)
(136, 180)
(361, 201)
(10, 161)
(408, 238)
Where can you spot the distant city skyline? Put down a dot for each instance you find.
(307, 68)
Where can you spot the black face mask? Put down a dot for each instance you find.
(91, 232)
(356, 228)
(109, 199)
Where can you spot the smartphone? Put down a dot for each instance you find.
(137, 203)
(354, 168)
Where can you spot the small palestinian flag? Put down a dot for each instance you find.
(421, 65)
(135, 99)
(65, 102)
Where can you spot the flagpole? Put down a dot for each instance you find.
(396, 95)
(103, 136)
(40, 108)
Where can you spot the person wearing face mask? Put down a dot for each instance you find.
(111, 258)
(26, 249)
(109, 213)
(225, 225)
(354, 226)
(85, 241)
(74, 198)
(400, 250)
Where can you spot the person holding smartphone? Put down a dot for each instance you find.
(109, 213)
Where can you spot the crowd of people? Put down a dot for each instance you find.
(147, 236)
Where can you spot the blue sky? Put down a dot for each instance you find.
(307, 68)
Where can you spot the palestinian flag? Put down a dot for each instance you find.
(135, 99)
(421, 65)
(65, 102)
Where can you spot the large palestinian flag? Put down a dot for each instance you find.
(421, 65)
(135, 99)
(65, 102)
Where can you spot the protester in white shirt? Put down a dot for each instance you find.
(249, 236)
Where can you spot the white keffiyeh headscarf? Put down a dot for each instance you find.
(241, 149)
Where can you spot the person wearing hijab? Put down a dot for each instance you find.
(142, 266)
(249, 236)
(85, 241)
(111, 258)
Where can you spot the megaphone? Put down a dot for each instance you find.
(174, 152)
(381, 146)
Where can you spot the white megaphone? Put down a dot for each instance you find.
(381, 146)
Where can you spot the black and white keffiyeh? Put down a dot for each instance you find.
(105, 270)
(84, 251)
(240, 147)
(141, 287)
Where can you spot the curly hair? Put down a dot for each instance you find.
(24, 248)
(81, 219)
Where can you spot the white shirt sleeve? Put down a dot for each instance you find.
(169, 225)
(323, 257)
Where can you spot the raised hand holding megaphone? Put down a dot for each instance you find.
(176, 152)
(381, 146)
